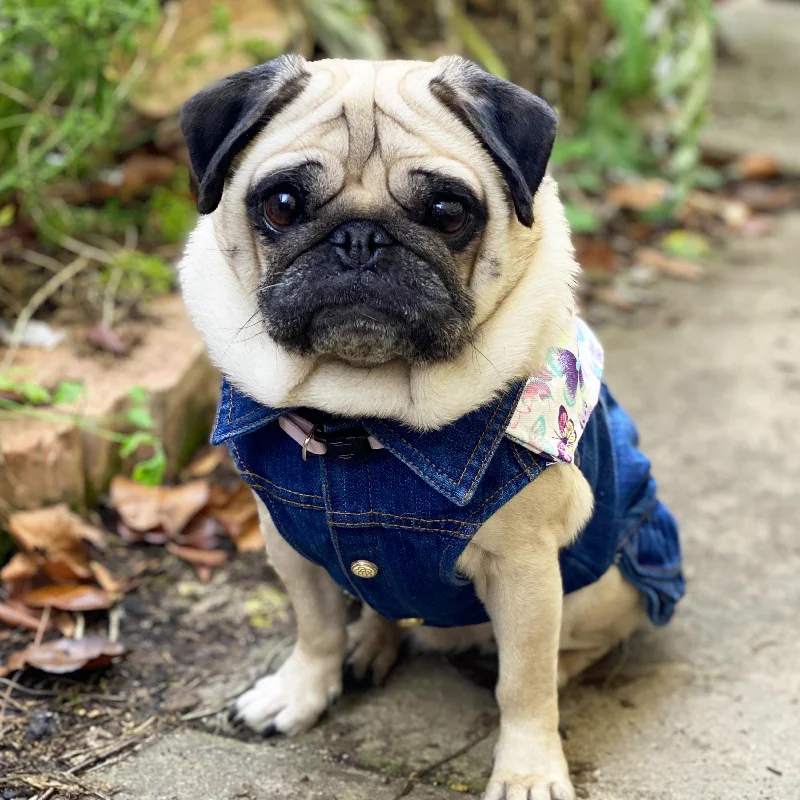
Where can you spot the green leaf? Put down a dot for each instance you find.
(581, 219)
(68, 393)
(7, 213)
(34, 393)
(686, 244)
(138, 395)
(133, 442)
(151, 471)
(140, 417)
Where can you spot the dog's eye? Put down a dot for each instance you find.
(447, 215)
(282, 208)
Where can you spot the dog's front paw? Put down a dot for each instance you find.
(529, 766)
(529, 787)
(291, 700)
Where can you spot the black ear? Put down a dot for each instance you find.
(515, 127)
(222, 119)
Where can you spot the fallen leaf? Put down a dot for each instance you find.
(53, 529)
(756, 166)
(205, 462)
(250, 540)
(21, 566)
(67, 655)
(238, 513)
(17, 617)
(686, 244)
(202, 532)
(595, 253)
(613, 297)
(148, 508)
(70, 597)
(134, 176)
(765, 197)
(668, 265)
(643, 195)
(198, 558)
(732, 212)
(102, 574)
(103, 338)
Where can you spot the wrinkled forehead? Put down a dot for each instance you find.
(369, 123)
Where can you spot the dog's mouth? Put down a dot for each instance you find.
(359, 333)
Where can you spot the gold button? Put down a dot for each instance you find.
(410, 622)
(363, 569)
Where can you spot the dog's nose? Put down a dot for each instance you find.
(359, 242)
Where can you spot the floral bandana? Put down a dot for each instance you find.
(556, 402)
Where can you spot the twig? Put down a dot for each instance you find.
(26, 690)
(43, 622)
(114, 616)
(40, 296)
(11, 685)
(97, 758)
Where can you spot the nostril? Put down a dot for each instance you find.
(379, 238)
(359, 242)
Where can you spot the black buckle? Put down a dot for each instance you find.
(345, 443)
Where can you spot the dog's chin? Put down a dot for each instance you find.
(362, 337)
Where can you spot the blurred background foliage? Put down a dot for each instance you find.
(92, 167)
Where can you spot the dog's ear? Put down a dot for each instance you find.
(223, 118)
(515, 127)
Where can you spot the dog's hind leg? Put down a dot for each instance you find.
(373, 643)
(292, 699)
(594, 620)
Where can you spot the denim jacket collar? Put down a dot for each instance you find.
(452, 460)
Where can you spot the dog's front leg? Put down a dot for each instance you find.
(292, 699)
(513, 560)
(524, 603)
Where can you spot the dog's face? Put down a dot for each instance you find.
(371, 215)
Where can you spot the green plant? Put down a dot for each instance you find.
(645, 115)
(59, 98)
(21, 398)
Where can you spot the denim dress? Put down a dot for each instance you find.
(408, 510)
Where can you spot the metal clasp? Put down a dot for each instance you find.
(307, 441)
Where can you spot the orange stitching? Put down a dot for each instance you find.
(401, 527)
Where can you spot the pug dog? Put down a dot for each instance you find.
(383, 272)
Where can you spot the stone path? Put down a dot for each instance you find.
(707, 708)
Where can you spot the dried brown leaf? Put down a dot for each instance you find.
(104, 338)
(21, 566)
(668, 265)
(595, 253)
(70, 597)
(206, 462)
(202, 532)
(68, 655)
(250, 540)
(766, 197)
(52, 530)
(756, 166)
(16, 616)
(149, 508)
(107, 582)
(238, 513)
(199, 558)
(613, 297)
(643, 195)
